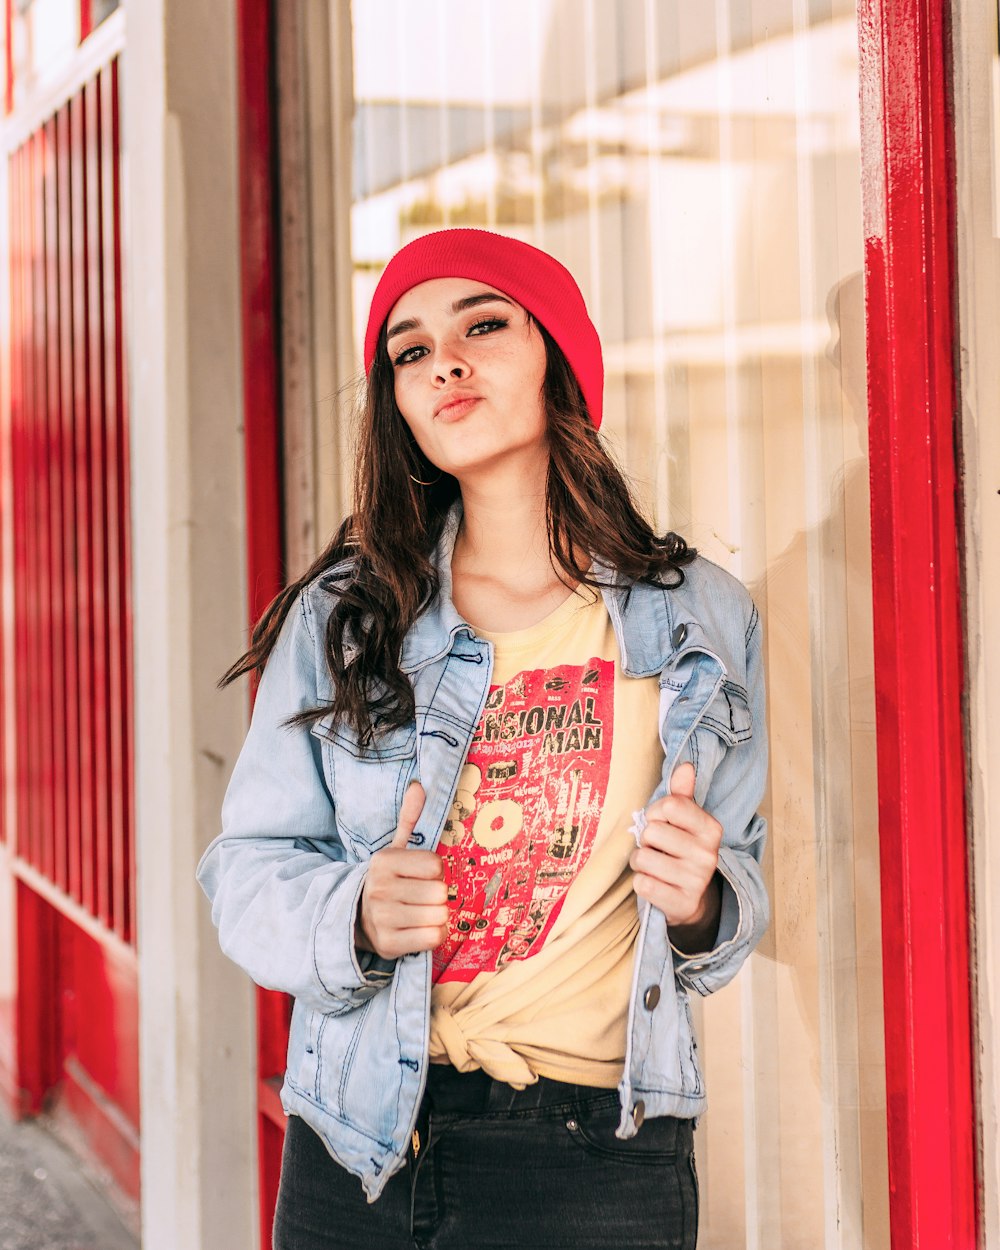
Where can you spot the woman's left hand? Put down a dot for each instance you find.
(675, 865)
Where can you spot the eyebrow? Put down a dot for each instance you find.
(460, 305)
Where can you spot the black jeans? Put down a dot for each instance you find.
(501, 1168)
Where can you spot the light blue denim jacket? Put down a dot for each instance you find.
(304, 811)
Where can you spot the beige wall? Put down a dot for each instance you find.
(977, 114)
(198, 1078)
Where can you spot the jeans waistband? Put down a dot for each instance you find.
(449, 1090)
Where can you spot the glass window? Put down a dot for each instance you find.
(697, 168)
(43, 38)
(100, 9)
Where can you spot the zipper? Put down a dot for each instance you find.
(415, 1139)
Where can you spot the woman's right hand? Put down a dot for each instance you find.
(404, 901)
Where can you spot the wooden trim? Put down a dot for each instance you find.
(263, 461)
(61, 902)
(107, 41)
(260, 346)
(907, 146)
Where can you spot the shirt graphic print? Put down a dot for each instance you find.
(525, 815)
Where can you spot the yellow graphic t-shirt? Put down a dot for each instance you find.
(534, 976)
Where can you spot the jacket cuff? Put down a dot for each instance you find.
(347, 974)
(740, 928)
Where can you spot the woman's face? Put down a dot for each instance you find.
(468, 365)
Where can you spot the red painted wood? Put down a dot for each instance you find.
(66, 622)
(73, 1022)
(124, 514)
(43, 538)
(24, 502)
(52, 764)
(78, 1045)
(70, 507)
(97, 474)
(84, 510)
(907, 154)
(18, 167)
(86, 18)
(15, 272)
(272, 1137)
(98, 1069)
(9, 1084)
(39, 1007)
(116, 435)
(33, 727)
(258, 250)
(264, 527)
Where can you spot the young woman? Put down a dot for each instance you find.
(495, 815)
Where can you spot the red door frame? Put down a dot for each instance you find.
(908, 180)
(907, 150)
(262, 458)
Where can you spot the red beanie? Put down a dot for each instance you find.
(532, 277)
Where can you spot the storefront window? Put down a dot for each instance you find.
(100, 9)
(43, 36)
(697, 168)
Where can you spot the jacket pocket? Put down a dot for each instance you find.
(724, 725)
(367, 785)
(728, 715)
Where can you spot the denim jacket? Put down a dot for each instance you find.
(305, 809)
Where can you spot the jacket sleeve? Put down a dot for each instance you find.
(734, 794)
(284, 891)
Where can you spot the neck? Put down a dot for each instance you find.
(503, 536)
(503, 576)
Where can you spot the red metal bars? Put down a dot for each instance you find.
(70, 507)
(907, 156)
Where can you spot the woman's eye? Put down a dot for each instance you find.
(488, 325)
(408, 355)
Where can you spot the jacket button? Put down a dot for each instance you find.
(679, 634)
(651, 997)
(638, 1113)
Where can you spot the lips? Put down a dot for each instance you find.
(454, 403)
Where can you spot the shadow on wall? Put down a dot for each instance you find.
(823, 858)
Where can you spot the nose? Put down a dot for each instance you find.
(449, 363)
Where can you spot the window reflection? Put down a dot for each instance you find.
(697, 169)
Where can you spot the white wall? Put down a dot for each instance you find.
(196, 1034)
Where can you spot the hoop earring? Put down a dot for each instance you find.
(430, 483)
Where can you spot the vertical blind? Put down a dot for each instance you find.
(697, 168)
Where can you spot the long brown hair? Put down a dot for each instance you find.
(378, 566)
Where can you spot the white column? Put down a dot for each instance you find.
(183, 310)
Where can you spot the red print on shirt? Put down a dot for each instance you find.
(525, 814)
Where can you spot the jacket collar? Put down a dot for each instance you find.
(642, 617)
(433, 632)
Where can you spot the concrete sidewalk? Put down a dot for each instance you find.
(48, 1200)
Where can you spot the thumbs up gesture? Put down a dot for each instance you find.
(675, 864)
(404, 901)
